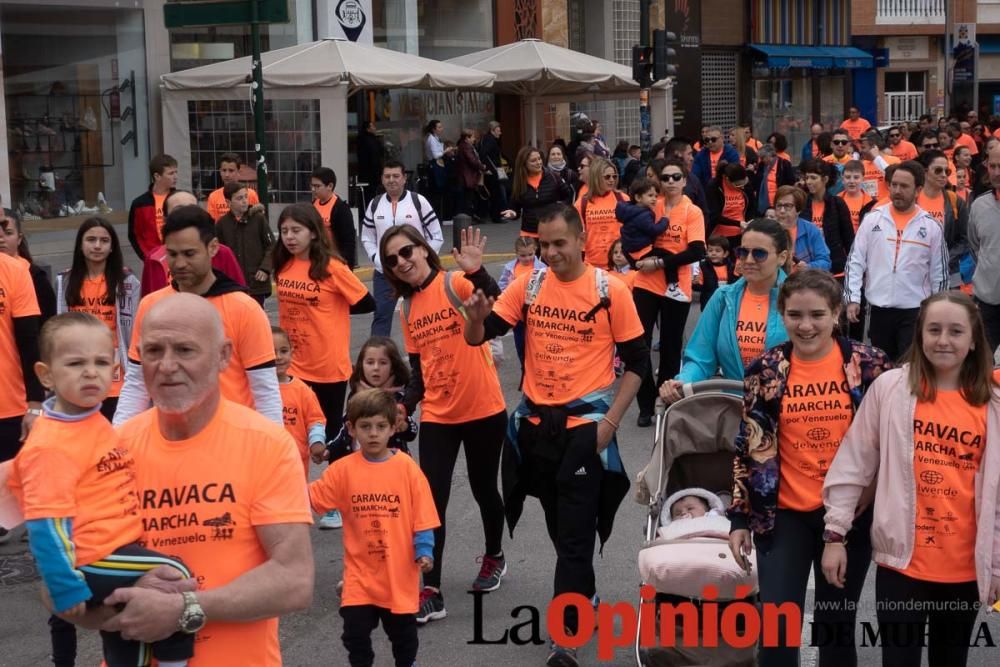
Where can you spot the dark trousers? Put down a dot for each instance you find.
(891, 329)
(902, 626)
(519, 343)
(569, 492)
(121, 568)
(360, 620)
(63, 634)
(784, 559)
(385, 305)
(991, 321)
(10, 437)
(673, 316)
(260, 298)
(439, 445)
(331, 401)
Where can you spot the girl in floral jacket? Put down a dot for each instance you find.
(800, 398)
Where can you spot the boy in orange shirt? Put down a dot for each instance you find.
(303, 417)
(389, 517)
(75, 484)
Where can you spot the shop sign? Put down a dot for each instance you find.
(908, 48)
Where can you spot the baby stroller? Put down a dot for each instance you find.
(693, 448)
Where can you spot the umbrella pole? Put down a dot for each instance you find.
(534, 123)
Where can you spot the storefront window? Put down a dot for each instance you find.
(785, 106)
(293, 136)
(77, 127)
(831, 101)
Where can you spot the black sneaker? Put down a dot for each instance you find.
(644, 420)
(561, 656)
(490, 574)
(431, 606)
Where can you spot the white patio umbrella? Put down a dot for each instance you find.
(330, 62)
(533, 68)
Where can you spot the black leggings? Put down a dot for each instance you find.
(784, 558)
(331, 401)
(948, 621)
(10, 437)
(673, 316)
(891, 329)
(360, 620)
(483, 440)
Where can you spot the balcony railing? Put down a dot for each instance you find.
(907, 12)
(900, 107)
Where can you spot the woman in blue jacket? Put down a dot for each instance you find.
(741, 320)
(808, 245)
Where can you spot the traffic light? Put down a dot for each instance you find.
(663, 54)
(642, 65)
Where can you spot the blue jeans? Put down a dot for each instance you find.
(385, 305)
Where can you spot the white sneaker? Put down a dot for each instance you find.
(674, 292)
(331, 521)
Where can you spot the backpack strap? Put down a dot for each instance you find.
(449, 291)
(601, 280)
(417, 205)
(953, 200)
(373, 205)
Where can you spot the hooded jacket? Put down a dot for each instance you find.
(702, 166)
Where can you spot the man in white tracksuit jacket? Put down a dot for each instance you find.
(900, 258)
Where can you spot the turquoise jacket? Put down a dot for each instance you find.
(713, 344)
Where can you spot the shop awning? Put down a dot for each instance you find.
(780, 56)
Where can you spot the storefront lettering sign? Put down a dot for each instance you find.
(429, 104)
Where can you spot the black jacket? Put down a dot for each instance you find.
(344, 234)
(695, 191)
(370, 160)
(717, 203)
(837, 230)
(710, 281)
(532, 202)
(489, 154)
(251, 241)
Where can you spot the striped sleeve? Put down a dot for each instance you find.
(51, 543)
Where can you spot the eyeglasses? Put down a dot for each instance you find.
(676, 177)
(784, 207)
(406, 252)
(931, 146)
(942, 170)
(611, 177)
(758, 254)
(893, 135)
(840, 142)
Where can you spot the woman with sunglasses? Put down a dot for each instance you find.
(684, 244)
(730, 205)
(741, 319)
(947, 208)
(534, 188)
(809, 247)
(317, 294)
(582, 173)
(457, 387)
(800, 399)
(928, 438)
(828, 213)
(597, 211)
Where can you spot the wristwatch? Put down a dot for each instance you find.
(37, 412)
(193, 616)
(830, 537)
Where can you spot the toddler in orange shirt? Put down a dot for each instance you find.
(75, 483)
(300, 409)
(389, 520)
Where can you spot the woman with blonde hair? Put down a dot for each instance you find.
(597, 211)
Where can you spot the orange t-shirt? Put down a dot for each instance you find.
(967, 141)
(793, 234)
(818, 209)
(460, 380)
(935, 206)
(325, 210)
(687, 224)
(627, 278)
(855, 128)
(751, 327)
(300, 410)
(92, 293)
(772, 184)
(873, 180)
(733, 208)
(713, 159)
(721, 273)
(948, 440)
(904, 150)
(833, 159)
(854, 205)
(79, 470)
(534, 180)
(17, 299)
(901, 219)
(158, 201)
(602, 227)
(522, 269)
(311, 311)
(217, 206)
(245, 324)
(202, 500)
(384, 503)
(566, 356)
(815, 415)
(584, 189)
(784, 156)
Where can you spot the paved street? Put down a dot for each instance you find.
(313, 637)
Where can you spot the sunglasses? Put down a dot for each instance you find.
(710, 140)
(942, 170)
(406, 252)
(930, 146)
(611, 177)
(893, 135)
(676, 178)
(840, 142)
(758, 254)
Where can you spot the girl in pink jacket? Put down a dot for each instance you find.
(930, 433)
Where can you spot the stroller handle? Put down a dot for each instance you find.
(705, 386)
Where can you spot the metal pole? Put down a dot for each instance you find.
(260, 136)
(948, 74)
(645, 139)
